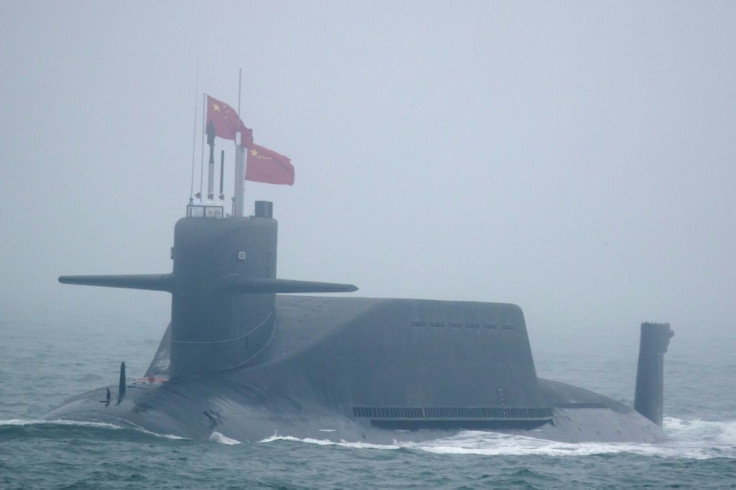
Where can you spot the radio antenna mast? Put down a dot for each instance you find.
(239, 192)
(194, 133)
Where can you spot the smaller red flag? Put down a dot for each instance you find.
(267, 166)
(226, 122)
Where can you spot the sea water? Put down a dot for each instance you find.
(48, 357)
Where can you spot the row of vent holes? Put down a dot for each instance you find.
(489, 326)
(453, 412)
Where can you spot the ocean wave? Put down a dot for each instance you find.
(221, 439)
(697, 429)
(43, 427)
(694, 439)
(494, 444)
(156, 434)
(326, 442)
(57, 422)
(700, 439)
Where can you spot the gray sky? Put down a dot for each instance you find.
(575, 158)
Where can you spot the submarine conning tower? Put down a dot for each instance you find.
(214, 325)
(223, 288)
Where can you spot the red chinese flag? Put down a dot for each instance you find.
(227, 122)
(267, 166)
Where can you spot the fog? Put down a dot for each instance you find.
(575, 158)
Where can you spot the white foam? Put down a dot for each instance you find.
(76, 423)
(326, 442)
(688, 439)
(155, 434)
(221, 439)
(493, 444)
(724, 432)
(695, 439)
(700, 439)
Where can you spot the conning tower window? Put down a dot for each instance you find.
(204, 211)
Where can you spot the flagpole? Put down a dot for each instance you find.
(240, 79)
(239, 191)
(201, 162)
(211, 164)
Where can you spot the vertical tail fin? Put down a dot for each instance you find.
(122, 384)
(649, 396)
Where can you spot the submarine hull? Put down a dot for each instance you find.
(371, 370)
(201, 409)
(242, 359)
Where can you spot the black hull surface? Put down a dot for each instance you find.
(371, 370)
(242, 360)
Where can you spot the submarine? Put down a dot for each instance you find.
(249, 356)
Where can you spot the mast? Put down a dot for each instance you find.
(222, 175)
(201, 162)
(238, 193)
(211, 174)
(194, 134)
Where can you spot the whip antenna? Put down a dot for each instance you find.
(201, 162)
(239, 191)
(194, 133)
